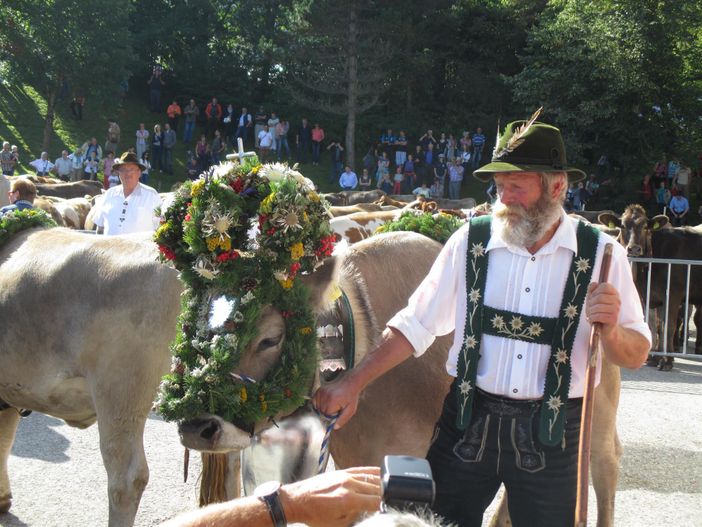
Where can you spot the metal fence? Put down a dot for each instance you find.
(664, 310)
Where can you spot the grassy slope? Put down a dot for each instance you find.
(22, 112)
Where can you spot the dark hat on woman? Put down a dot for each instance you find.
(127, 157)
(529, 146)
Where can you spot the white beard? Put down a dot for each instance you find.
(524, 227)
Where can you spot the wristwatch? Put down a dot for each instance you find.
(269, 493)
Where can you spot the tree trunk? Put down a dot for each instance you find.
(352, 90)
(49, 120)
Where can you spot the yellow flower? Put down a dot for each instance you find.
(286, 284)
(305, 216)
(297, 251)
(267, 204)
(212, 243)
(255, 169)
(306, 330)
(225, 244)
(264, 406)
(313, 196)
(197, 187)
(162, 230)
(243, 394)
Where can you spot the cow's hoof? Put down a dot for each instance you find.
(5, 504)
(665, 365)
(653, 361)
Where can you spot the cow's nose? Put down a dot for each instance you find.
(635, 250)
(210, 430)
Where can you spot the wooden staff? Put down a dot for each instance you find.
(588, 406)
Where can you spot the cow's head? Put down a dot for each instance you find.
(635, 229)
(214, 433)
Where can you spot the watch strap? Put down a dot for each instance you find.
(275, 508)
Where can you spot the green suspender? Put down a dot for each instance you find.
(558, 332)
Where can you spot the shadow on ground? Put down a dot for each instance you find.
(36, 439)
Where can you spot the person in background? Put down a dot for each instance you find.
(348, 179)
(398, 178)
(244, 124)
(386, 185)
(478, 140)
(422, 191)
(364, 181)
(192, 168)
(169, 141)
(144, 178)
(201, 153)
(440, 176)
(174, 112)
(229, 122)
(663, 197)
(679, 206)
(456, 171)
(317, 138)
(383, 164)
(7, 160)
(337, 159)
(213, 114)
(155, 84)
(21, 196)
(218, 148)
(303, 141)
(265, 142)
(129, 207)
(113, 136)
(77, 160)
(157, 148)
(63, 166)
(142, 135)
(42, 166)
(281, 138)
(401, 148)
(273, 122)
(92, 167)
(77, 107)
(92, 146)
(260, 119)
(191, 112)
(682, 180)
(410, 176)
(107, 164)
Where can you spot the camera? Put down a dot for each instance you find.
(406, 483)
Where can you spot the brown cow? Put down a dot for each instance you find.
(76, 189)
(361, 225)
(353, 197)
(86, 325)
(397, 413)
(345, 210)
(652, 238)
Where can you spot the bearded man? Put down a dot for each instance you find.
(517, 289)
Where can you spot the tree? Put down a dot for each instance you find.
(339, 67)
(621, 77)
(65, 43)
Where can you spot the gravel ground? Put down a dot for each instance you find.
(58, 479)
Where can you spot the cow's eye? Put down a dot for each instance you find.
(268, 343)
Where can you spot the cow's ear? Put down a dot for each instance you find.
(658, 222)
(609, 219)
(322, 283)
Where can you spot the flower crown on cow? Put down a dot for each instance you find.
(240, 236)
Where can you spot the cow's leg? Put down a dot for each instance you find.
(122, 448)
(606, 448)
(8, 426)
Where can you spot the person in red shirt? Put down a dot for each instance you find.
(213, 113)
(174, 112)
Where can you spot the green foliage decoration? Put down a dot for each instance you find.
(241, 236)
(438, 227)
(19, 220)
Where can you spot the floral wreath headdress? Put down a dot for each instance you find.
(240, 236)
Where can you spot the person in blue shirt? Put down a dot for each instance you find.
(478, 144)
(21, 196)
(387, 140)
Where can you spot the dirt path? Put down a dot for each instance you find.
(58, 478)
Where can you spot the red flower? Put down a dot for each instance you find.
(223, 257)
(294, 268)
(271, 231)
(226, 256)
(167, 253)
(237, 185)
(287, 314)
(188, 217)
(326, 246)
(287, 392)
(261, 220)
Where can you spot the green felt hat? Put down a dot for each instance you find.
(529, 146)
(127, 157)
